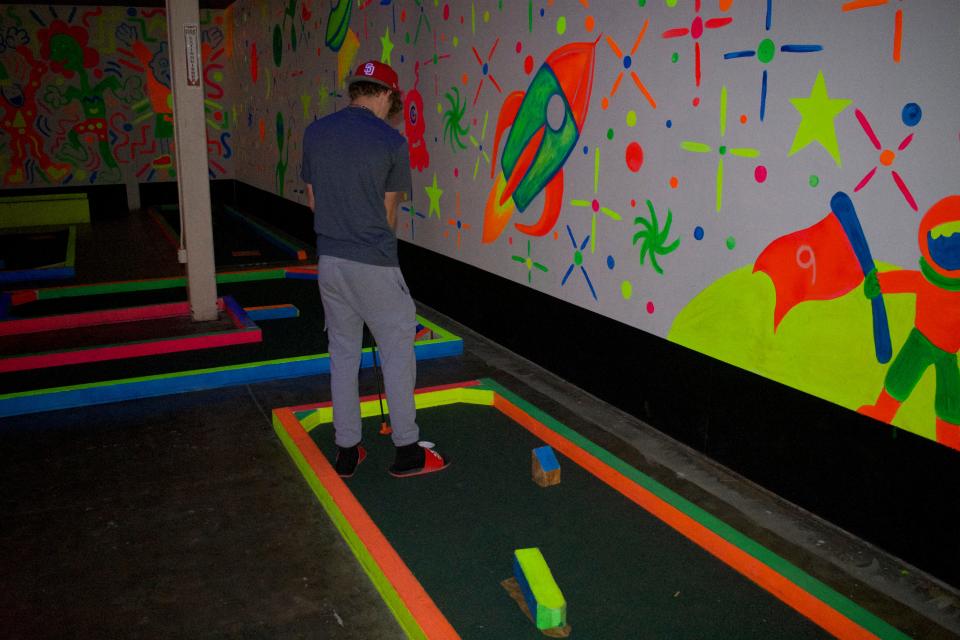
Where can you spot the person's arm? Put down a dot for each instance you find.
(900, 281)
(390, 202)
(310, 201)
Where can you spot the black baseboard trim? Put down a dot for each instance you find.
(887, 486)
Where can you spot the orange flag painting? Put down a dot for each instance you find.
(816, 263)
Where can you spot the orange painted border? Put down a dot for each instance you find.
(424, 610)
(782, 588)
(421, 606)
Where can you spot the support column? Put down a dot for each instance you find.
(190, 139)
(133, 191)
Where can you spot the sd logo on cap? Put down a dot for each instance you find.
(378, 73)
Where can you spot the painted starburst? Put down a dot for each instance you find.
(485, 70)
(594, 204)
(457, 222)
(627, 60)
(887, 156)
(856, 5)
(530, 264)
(478, 145)
(765, 53)
(434, 60)
(722, 150)
(654, 239)
(414, 214)
(696, 31)
(453, 127)
(422, 19)
(577, 261)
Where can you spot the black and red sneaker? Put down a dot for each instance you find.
(417, 460)
(348, 459)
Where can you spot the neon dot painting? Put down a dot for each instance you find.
(886, 159)
(577, 262)
(627, 62)
(765, 53)
(911, 114)
(433, 61)
(414, 214)
(595, 205)
(485, 73)
(530, 264)
(722, 150)
(457, 223)
(696, 30)
(634, 156)
(478, 145)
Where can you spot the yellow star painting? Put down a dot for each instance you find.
(818, 112)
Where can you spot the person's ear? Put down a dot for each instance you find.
(396, 104)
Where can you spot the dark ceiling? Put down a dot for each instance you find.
(204, 4)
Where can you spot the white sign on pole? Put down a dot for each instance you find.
(192, 35)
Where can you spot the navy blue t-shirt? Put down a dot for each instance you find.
(352, 158)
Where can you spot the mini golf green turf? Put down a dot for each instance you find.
(624, 572)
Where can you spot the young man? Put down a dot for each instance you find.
(356, 168)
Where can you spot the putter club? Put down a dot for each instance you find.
(385, 428)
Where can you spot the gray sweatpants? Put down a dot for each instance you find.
(354, 293)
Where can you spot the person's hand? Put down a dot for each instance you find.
(871, 285)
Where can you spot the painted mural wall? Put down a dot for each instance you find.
(770, 183)
(85, 96)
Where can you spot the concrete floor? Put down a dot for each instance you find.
(183, 516)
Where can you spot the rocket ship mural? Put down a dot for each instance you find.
(535, 151)
(338, 23)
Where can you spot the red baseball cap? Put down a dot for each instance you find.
(376, 72)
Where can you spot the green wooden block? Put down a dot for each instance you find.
(544, 598)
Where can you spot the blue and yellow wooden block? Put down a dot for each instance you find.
(540, 591)
(546, 469)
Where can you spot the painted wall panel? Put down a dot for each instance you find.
(638, 159)
(85, 95)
